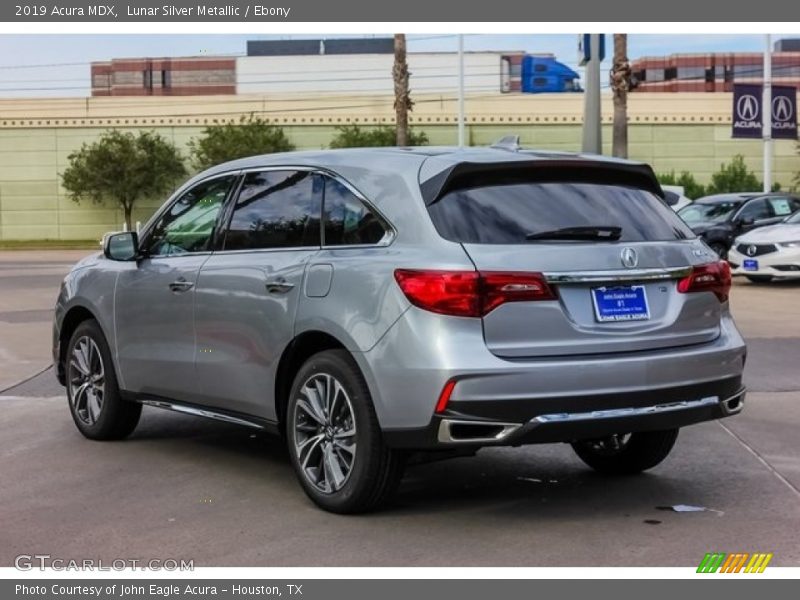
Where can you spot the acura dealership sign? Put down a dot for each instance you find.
(747, 112)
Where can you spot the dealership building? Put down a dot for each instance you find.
(330, 67)
(716, 72)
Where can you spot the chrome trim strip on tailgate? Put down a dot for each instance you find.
(617, 275)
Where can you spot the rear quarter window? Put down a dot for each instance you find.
(508, 214)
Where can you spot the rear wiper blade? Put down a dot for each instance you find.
(589, 232)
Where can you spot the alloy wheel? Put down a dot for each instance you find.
(324, 432)
(86, 380)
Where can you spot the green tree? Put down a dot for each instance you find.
(735, 177)
(353, 136)
(796, 180)
(691, 188)
(123, 168)
(229, 141)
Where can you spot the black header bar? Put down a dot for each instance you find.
(332, 11)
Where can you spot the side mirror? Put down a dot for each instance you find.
(746, 221)
(121, 246)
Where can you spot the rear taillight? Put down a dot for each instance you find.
(444, 397)
(470, 293)
(713, 277)
(500, 287)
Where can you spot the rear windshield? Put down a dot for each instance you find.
(511, 214)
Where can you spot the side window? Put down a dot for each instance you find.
(276, 209)
(347, 221)
(188, 224)
(756, 209)
(783, 207)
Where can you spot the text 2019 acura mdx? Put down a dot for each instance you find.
(370, 304)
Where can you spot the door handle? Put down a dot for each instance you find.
(278, 286)
(181, 285)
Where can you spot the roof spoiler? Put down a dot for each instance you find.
(466, 175)
(508, 142)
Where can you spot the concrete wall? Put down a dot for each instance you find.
(37, 136)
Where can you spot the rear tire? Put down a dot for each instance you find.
(95, 402)
(334, 439)
(759, 278)
(626, 454)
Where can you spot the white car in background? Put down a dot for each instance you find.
(766, 253)
(674, 197)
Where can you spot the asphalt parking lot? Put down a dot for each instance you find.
(184, 487)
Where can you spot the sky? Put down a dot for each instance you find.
(58, 65)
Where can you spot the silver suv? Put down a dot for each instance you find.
(372, 305)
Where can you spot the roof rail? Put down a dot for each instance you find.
(507, 142)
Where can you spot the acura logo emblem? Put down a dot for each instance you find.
(747, 107)
(782, 109)
(751, 250)
(629, 258)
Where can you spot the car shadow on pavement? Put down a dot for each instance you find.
(516, 483)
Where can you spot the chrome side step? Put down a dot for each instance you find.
(201, 412)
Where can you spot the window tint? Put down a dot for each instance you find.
(276, 209)
(508, 214)
(784, 206)
(756, 209)
(188, 224)
(347, 220)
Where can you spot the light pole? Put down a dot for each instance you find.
(461, 124)
(766, 113)
(592, 140)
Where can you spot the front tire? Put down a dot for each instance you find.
(95, 402)
(335, 441)
(626, 454)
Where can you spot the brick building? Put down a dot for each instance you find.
(164, 76)
(716, 72)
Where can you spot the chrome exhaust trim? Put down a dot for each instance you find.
(734, 404)
(446, 434)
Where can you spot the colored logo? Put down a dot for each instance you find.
(739, 562)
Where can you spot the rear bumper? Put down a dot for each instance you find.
(518, 422)
(409, 367)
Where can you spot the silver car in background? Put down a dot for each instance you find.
(373, 305)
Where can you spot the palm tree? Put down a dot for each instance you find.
(402, 99)
(620, 85)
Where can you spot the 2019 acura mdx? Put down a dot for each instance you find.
(369, 304)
